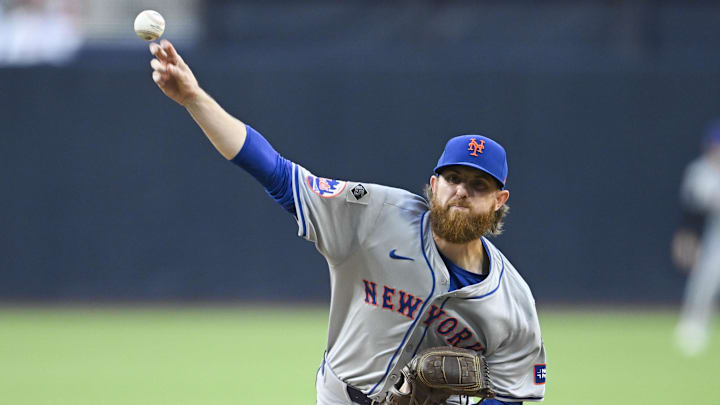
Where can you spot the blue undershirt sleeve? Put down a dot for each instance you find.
(497, 402)
(273, 171)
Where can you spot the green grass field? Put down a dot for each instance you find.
(249, 355)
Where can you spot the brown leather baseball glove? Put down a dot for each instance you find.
(437, 373)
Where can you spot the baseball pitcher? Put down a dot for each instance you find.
(424, 308)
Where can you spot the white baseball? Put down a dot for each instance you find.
(149, 25)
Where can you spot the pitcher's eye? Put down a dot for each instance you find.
(479, 185)
(451, 178)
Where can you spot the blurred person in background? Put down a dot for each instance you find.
(36, 32)
(696, 244)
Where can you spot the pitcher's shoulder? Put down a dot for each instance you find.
(387, 195)
(511, 274)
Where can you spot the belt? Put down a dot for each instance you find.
(358, 397)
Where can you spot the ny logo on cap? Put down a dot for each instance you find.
(475, 147)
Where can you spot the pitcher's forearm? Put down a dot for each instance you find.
(226, 132)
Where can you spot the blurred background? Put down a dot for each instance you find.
(110, 194)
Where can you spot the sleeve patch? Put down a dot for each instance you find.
(325, 188)
(358, 194)
(540, 374)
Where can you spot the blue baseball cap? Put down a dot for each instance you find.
(477, 151)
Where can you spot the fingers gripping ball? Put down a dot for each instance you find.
(437, 373)
(149, 25)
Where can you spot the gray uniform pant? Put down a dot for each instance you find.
(704, 281)
(330, 389)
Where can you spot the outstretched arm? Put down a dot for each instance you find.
(230, 136)
(177, 81)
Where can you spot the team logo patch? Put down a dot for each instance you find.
(540, 374)
(475, 147)
(326, 188)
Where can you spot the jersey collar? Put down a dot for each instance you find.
(480, 290)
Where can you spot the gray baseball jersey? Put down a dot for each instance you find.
(390, 298)
(701, 190)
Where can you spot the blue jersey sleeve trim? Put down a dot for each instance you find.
(502, 271)
(422, 307)
(426, 329)
(296, 176)
(273, 171)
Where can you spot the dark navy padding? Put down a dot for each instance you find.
(273, 171)
(422, 307)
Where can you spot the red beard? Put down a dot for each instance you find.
(459, 226)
